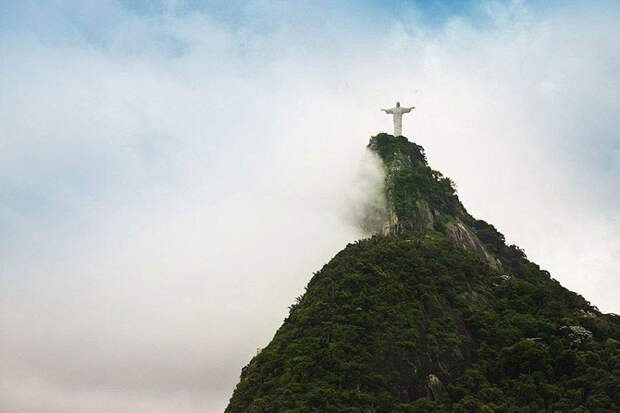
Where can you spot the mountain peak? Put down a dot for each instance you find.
(420, 199)
(434, 314)
(388, 147)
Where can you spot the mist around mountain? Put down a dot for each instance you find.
(433, 313)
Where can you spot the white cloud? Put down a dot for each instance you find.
(169, 189)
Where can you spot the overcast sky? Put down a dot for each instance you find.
(172, 173)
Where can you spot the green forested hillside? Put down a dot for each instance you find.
(436, 314)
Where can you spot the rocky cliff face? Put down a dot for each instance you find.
(467, 239)
(420, 200)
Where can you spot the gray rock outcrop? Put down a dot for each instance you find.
(466, 239)
(435, 388)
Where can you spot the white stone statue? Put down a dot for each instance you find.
(397, 112)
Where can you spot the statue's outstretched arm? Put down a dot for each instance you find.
(387, 110)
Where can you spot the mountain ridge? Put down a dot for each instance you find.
(434, 313)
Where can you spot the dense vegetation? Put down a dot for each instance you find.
(410, 322)
(410, 179)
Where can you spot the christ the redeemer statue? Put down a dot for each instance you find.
(398, 111)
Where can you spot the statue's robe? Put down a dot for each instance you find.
(397, 112)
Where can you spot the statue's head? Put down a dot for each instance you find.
(397, 104)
